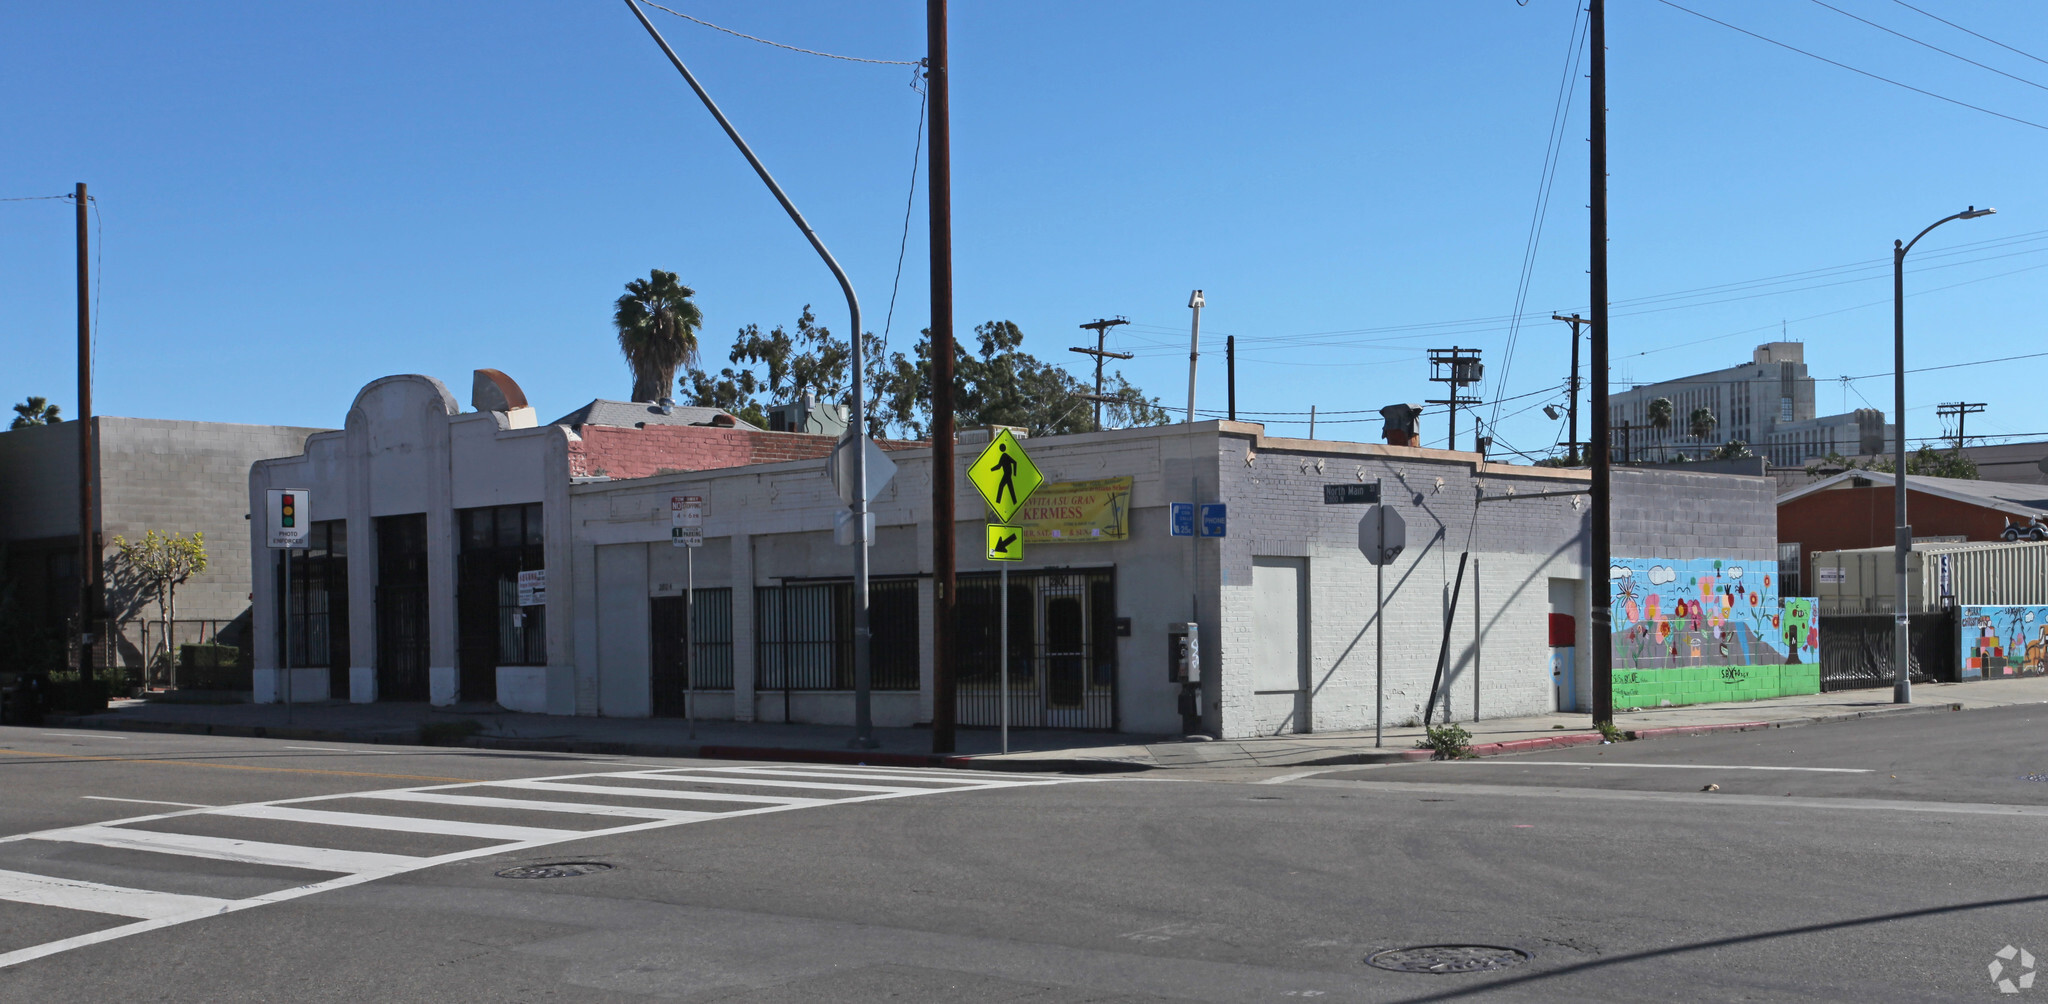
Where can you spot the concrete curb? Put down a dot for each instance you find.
(985, 761)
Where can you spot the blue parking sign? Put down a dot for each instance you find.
(1183, 519)
(1215, 519)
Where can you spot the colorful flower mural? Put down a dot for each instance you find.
(2003, 641)
(1706, 612)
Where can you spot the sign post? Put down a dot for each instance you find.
(289, 517)
(1006, 477)
(686, 530)
(1382, 534)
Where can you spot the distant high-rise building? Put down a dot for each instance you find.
(1767, 403)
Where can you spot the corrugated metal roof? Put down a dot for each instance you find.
(1949, 546)
(631, 414)
(2003, 495)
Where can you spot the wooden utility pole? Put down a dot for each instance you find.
(940, 193)
(1101, 328)
(1960, 411)
(1602, 557)
(1573, 445)
(88, 529)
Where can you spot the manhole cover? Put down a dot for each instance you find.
(1441, 959)
(558, 869)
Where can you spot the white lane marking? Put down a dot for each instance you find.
(147, 801)
(337, 749)
(257, 852)
(82, 735)
(652, 819)
(92, 897)
(1298, 775)
(761, 782)
(1662, 766)
(960, 772)
(1688, 797)
(850, 776)
(400, 824)
(539, 805)
(698, 796)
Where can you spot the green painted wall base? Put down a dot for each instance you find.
(1651, 688)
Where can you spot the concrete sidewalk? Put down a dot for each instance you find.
(1030, 750)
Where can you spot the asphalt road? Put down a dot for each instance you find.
(275, 871)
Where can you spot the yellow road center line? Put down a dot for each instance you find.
(238, 766)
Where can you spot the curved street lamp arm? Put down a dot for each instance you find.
(1972, 211)
(845, 285)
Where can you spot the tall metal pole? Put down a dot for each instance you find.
(1902, 538)
(1004, 589)
(88, 530)
(1602, 554)
(1902, 543)
(1572, 445)
(690, 638)
(1379, 620)
(1194, 350)
(1230, 371)
(939, 193)
(287, 660)
(863, 725)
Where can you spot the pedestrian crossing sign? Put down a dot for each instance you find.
(1005, 542)
(1005, 475)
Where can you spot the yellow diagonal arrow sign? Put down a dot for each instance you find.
(1005, 475)
(1005, 543)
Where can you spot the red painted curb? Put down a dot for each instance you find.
(1539, 743)
(1696, 730)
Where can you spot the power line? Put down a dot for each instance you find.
(1930, 45)
(909, 201)
(1950, 366)
(1967, 31)
(1851, 69)
(779, 45)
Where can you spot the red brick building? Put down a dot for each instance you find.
(1854, 509)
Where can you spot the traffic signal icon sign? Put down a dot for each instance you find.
(289, 515)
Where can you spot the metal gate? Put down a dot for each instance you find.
(711, 656)
(1062, 649)
(402, 608)
(1856, 650)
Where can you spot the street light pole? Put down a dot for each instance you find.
(1902, 543)
(863, 724)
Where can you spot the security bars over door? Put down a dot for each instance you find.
(1062, 649)
(402, 607)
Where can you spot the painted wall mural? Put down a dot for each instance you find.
(1686, 632)
(1999, 642)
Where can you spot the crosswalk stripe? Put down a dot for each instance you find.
(538, 805)
(966, 781)
(759, 782)
(625, 792)
(92, 897)
(319, 859)
(401, 824)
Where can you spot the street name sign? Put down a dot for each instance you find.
(1005, 542)
(290, 517)
(1005, 475)
(1352, 494)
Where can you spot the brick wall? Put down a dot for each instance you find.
(643, 452)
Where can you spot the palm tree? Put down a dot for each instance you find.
(657, 325)
(1701, 423)
(35, 411)
(1660, 415)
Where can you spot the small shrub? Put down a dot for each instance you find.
(1611, 732)
(1447, 742)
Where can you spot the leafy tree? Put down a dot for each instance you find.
(163, 562)
(657, 325)
(1734, 449)
(35, 411)
(1926, 462)
(995, 383)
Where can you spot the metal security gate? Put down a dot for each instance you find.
(402, 608)
(1062, 650)
(1856, 650)
(670, 635)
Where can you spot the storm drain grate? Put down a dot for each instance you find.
(1446, 959)
(558, 869)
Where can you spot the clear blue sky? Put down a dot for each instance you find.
(299, 199)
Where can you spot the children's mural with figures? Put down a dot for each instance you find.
(1708, 629)
(1999, 642)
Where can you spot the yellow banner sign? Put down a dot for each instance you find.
(1077, 512)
